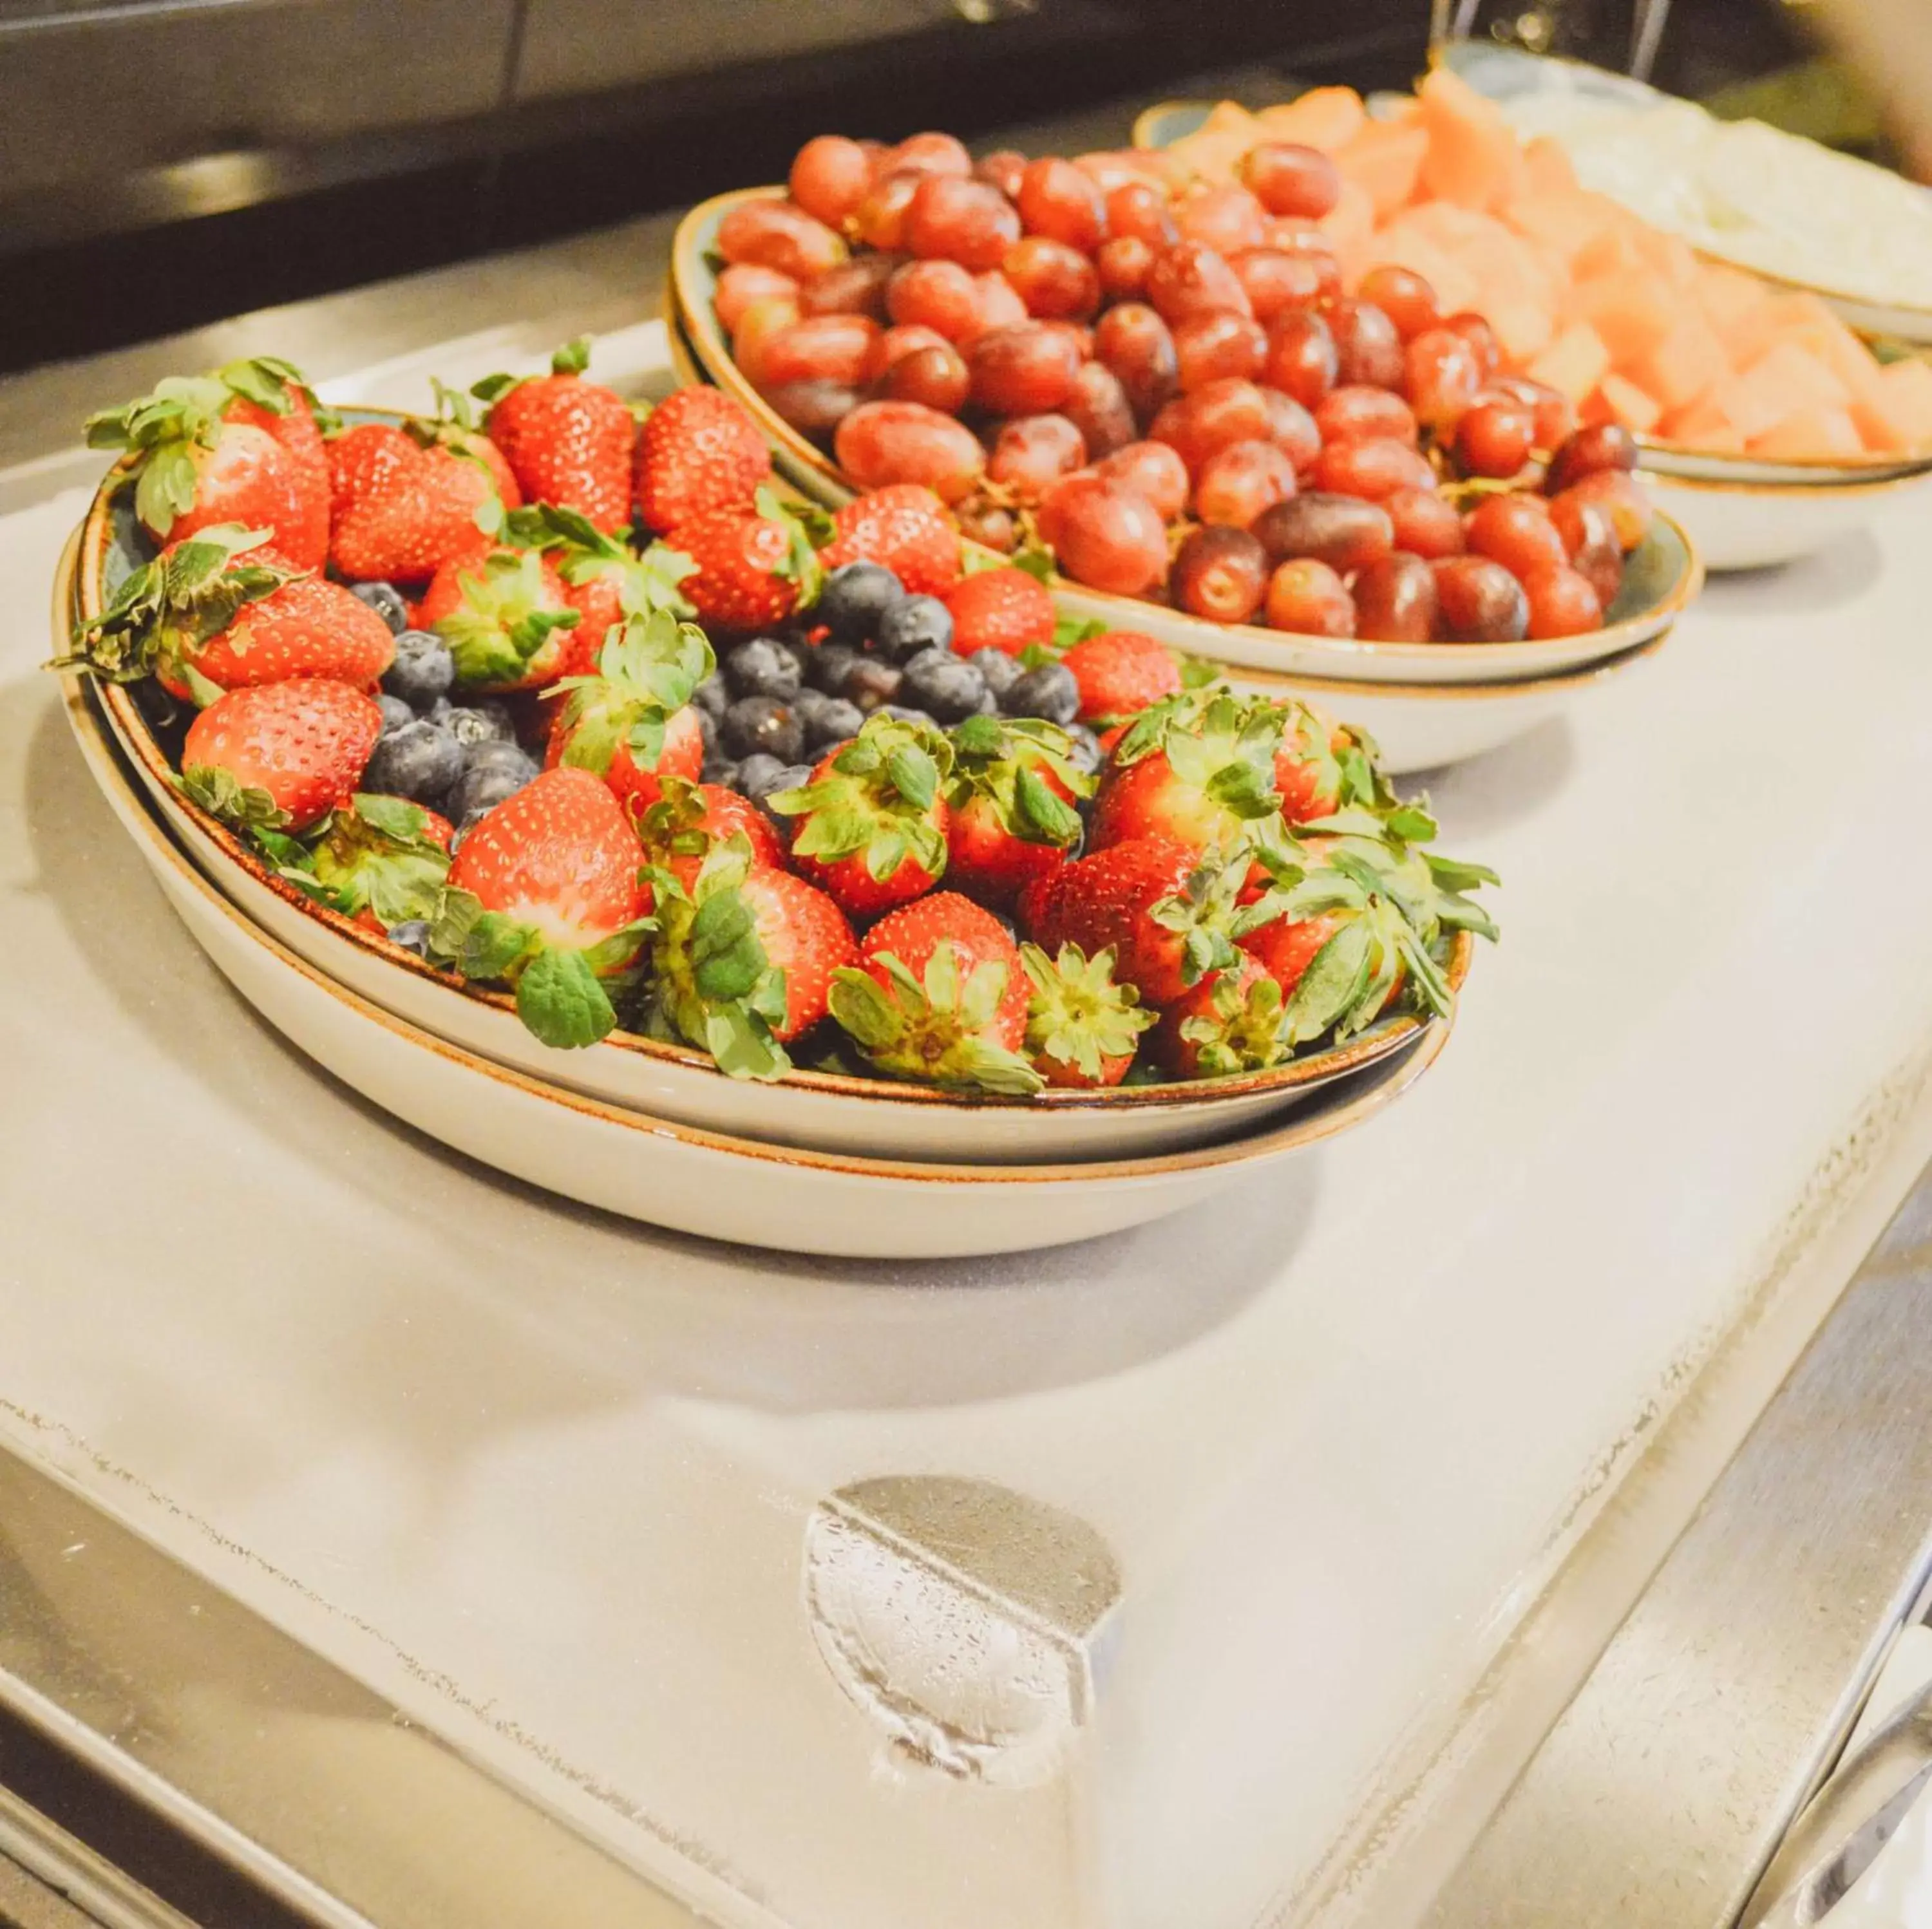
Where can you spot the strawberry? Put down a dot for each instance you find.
(568, 442)
(360, 459)
(870, 826)
(906, 527)
(632, 723)
(1120, 673)
(1166, 916)
(680, 829)
(754, 568)
(1286, 947)
(543, 895)
(239, 445)
(744, 957)
(218, 610)
(940, 997)
(1232, 1021)
(381, 860)
(504, 617)
(604, 580)
(1009, 806)
(699, 450)
(1082, 1028)
(402, 514)
(1198, 769)
(279, 755)
(1007, 610)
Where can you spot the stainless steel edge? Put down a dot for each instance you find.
(73, 1873)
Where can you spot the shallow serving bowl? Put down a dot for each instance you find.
(1659, 580)
(672, 1174)
(823, 1109)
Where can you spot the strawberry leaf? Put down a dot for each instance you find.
(728, 959)
(561, 1001)
(1335, 980)
(860, 1005)
(741, 1042)
(914, 775)
(222, 794)
(1039, 816)
(573, 358)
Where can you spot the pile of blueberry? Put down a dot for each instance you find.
(461, 759)
(779, 702)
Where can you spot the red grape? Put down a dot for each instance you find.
(1220, 574)
(1495, 437)
(1056, 200)
(1000, 304)
(1276, 281)
(1108, 168)
(1099, 409)
(1141, 211)
(1024, 371)
(1109, 536)
(1311, 244)
(1123, 263)
(1619, 493)
(1230, 410)
(853, 288)
(1602, 445)
(1300, 183)
(822, 348)
(1238, 482)
(1475, 330)
(881, 220)
(1052, 278)
(1590, 536)
(1292, 429)
(1426, 523)
(969, 222)
(1033, 450)
(1190, 277)
(1367, 348)
(830, 177)
(1154, 470)
(1562, 602)
(1306, 596)
(936, 377)
(1555, 414)
(983, 522)
(814, 409)
(1005, 168)
(907, 338)
(1211, 347)
(1342, 530)
(744, 282)
(883, 442)
(1301, 358)
(1374, 469)
(1404, 298)
(1395, 600)
(1515, 531)
(926, 154)
(775, 234)
(1226, 219)
(936, 295)
(1442, 374)
(1349, 415)
(759, 323)
(1478, 601)
(1134, 342)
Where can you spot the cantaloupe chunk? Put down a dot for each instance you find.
(1611, 253)
(1523, 328)
(1614, 400)
(1907, 391)
(1327, 118)
(1797, 375)
(1475, 158)
(1386, 159)
(1574, 364)
(1703, 425)
(1689, 362)
(1671, 256)
(1546, 167)
(1634, 312)
(1399, 246)
(1727, 297)
(1810, 433)
(1350, 225)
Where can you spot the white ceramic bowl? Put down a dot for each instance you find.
(1742, 525)
(668, 1174)
(1659, 580)
(825, 1110)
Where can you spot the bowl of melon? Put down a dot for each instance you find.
(1764, 424)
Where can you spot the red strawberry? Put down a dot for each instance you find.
(1010, 815)
(382, 860)
(941, 997)
(504, 617)
(238, 446)
(1232, 1021)
(604, 580)
(567, 441)
(360, 459)
(1165, 916)
(414, 513)
(699, 450)
(870, 826)
(1005, 610)
(744, 957)
(906, 528)
(1082, 1028)
(1286, 947)
(1121, 673)
(631, 722)
(1199, 769)
(680, 829)
(280, 754)
(755, 566)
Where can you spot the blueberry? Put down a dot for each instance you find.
(711, 697)
(413, 934)
(826, 669)
(948, 686)
(485, 721)
(759, 775)
(423, 669)
(854, 597)
(1049, 691)
(914, 624)
(755, 723)
(504, 759)
(836, 723)
(1086, 753)
(388, 602)
(720, 771)
(395, 712)
(420, 762)
(766, 784)
(798, 646)
(870, 682)
(707, 730)
(763, 667)
(1000, 671)
(479, 790)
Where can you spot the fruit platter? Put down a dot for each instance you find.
(1166, 394)
(790, 827)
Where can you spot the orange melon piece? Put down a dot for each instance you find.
(1402, 247)
(1614, 400)
(1350, 225)
(1612, 252)
(1523, 328)
(1689, 362)
(1575, 362)
(1728, 298)
(1562, 225)
(1633, 313)
(1385, 158)
(1473, 157)
(1327, 118)
(1808, 434)
(1906, 387)
(1672, 258)
(1703, 425)
(1546, 167)
(1798, 375)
